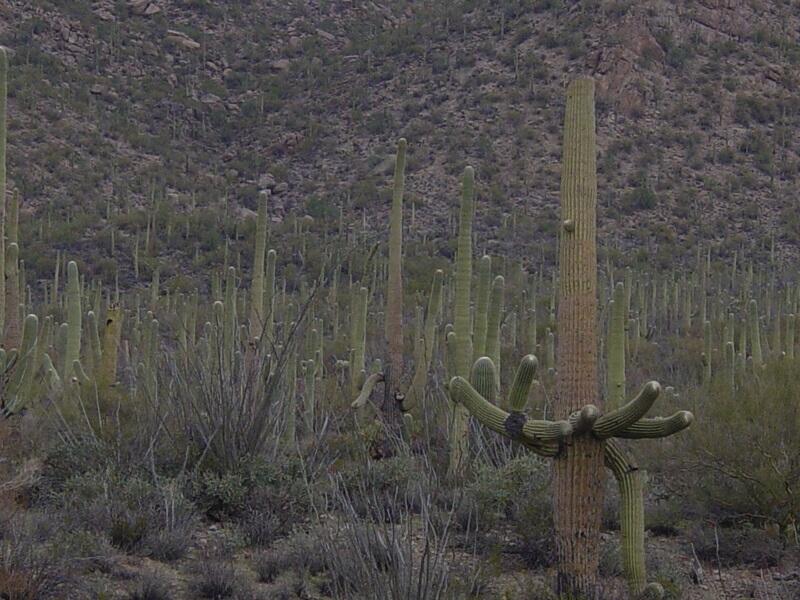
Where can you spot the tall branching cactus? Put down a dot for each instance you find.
(582, 439)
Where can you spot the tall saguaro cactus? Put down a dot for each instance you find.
(394, 299)
(401, 397)
(257, 285)
(72, 350)
(459, 424)
(578, 476)
(3, 93)
(581, 441)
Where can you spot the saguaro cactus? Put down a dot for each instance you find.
(394, 299)
(3, 94)
(581, 440)
(616, 348)
(459, 424)
(72, 351)
(257, 283)
(578, 470)
(401, 397)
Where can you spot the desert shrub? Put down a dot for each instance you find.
(383, 490)
(136, 516)
(516, 492)
(255, 490)
(33, 570)
(730, 546)
(216, 580)
(746, 448)
(268, 564)
(152, 585)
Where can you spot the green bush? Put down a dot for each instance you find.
(747, 447)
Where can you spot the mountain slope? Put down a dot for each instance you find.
(186, 109)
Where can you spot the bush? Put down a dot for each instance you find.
(747, 448)
(152, 585)
(518, 492)
(732, 546)
(135, 515)
(217, 580)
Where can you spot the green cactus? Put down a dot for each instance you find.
(755, 334)
(19, 393)
(616, 348)
(459, 424)
(107, 374)
(72, 347)
(13, 331)
(578, 484)
(394, 292)
(482, 305)
(257, 324)
(358, 339)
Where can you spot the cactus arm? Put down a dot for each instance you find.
(483, 379)
(584, 419)
(366, 390)
(482, 305)
(514, 425)
(618, 420)
(657, 427)
(53, 379)
(523, 379)
(631, 481)
(79, 374)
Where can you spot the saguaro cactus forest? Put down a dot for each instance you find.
(464, 300)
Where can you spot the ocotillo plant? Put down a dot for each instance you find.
(583, 437)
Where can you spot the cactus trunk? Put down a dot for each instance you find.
(578, 475)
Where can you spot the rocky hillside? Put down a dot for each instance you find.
(174, 114)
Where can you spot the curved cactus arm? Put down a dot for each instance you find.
(619, 420)
(52, 377)
(526, 372)
(537, 435)
(631, 481)
(367, 389)
(483, 379)
(657, 427)
(584, 419)
(80, 375)
(546, 431)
